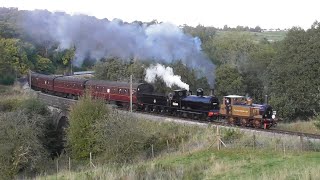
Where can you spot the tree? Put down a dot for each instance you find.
(229, 81)
(13, 59)
(294, 74)
(112, 70)
(44, 65)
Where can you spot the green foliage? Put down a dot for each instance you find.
(21, 148)
(44, 65)
(8, 105)
(230, 135)
(231, 48)
(112, 69)
(294, 74)
(34, 106)
(7, 79)
(317, 121)
(82, 134)
(229, 81)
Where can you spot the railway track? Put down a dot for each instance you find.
(222, 124)
(60, 102)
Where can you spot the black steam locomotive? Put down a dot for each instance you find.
(180, 103)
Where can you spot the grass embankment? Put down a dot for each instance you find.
(11, 97)
(198, 158)
(211, 164)
(300, 126)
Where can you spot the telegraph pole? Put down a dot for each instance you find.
(131, 92)
(131, 62)
(30, 78)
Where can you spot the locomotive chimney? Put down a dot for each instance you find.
(200, 92)
(211, 92)
(266, 99)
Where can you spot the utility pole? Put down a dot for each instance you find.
(131, 62)
(30, 72)
(131, 92)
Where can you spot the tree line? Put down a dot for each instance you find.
(286, 70)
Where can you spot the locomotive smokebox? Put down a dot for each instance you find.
(266, 99)
(200, 92)
(211, 92)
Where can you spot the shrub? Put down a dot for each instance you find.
(7, 105)
(34, 106)
(7, 79)
(21, 149)
(83, 134)
(317, 121)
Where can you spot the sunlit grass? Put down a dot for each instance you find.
(300, 126)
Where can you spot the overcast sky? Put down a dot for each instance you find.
(267, 13)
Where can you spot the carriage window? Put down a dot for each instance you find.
(125, 91)
(108, 90)
(120, 91)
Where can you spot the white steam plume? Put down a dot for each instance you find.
(166, 74)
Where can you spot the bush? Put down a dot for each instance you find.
(83, 134)
(34, 106)
(126, 138)
(317, 121)
(7, 105)
(7, 79)
(21, 148)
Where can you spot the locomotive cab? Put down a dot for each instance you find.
(229, 101)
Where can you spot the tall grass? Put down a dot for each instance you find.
(300, 126)
(198, 158)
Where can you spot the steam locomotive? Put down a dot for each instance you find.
(234, 109)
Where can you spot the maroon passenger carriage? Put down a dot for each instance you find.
(41, 82)
(70, 87)
(117, 92)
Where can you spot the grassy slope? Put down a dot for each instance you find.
(271, 36)
(211, 164)
(300, 126)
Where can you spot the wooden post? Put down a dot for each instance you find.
(284, 147)
(218, 138)
(182, 145)
(57, 168)
(69, 168)
(152, 151)
(301, 143)
(167, 145)
(254, 141)
(91, 160)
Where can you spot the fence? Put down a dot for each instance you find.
(215, 139)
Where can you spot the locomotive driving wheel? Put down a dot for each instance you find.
(244, 122)
(257, 123)
(231, 120)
